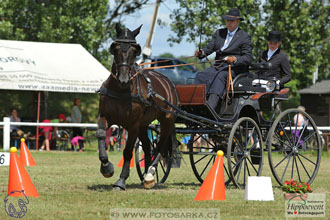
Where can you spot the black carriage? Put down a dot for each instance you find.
(248, 124)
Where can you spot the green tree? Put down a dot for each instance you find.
(304, 24)
(89, 23)
(195, 19)
(306, 28)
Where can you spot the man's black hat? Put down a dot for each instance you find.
(232, 14)
(274, 36)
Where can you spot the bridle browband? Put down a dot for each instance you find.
(125, 64)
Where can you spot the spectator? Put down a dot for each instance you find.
(76, 117)
(299, 118)
(14, 129)
(48, 132)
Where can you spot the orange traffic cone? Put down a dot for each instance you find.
(19, 179)
(213, 187)
(121, 162)
(26, 157)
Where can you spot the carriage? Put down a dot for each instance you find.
(248, 124)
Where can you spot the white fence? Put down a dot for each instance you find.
(6, 128)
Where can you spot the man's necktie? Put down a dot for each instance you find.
(227, 41)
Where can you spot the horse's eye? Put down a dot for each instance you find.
(113, 47)
(137, 48)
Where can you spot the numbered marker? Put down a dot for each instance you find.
(4, 159)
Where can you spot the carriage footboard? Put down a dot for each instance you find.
(191, 94)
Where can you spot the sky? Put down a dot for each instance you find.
(159, 43)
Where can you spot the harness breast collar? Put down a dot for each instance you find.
(135, 97)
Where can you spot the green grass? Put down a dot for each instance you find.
(71, 187)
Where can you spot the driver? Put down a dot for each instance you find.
(232, 44)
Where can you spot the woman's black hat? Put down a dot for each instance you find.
(274, 36)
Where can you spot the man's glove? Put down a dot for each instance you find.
(200, 54)
(230, 59)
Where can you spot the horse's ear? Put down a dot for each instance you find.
(136, 31)
(118, 29)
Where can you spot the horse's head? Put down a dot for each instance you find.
(125, 49)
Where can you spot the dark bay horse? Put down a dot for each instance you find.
(127, 98)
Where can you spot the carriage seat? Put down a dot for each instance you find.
(243, 82)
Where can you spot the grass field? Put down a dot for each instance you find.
(71, 187)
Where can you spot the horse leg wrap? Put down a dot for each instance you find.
(101, 135)
(107, 168)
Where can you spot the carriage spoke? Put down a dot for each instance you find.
(286, 167)
(292, 166)
(201, 158)
(283, 160)
(252, 165)
(279, 138)
(239, 171)
(206, 166)
(304, 167)
(297, 170)
(307, 159)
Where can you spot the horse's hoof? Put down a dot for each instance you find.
(149, 179)
(116, 188)
(148, 184)
(120, 185)
(107, 169)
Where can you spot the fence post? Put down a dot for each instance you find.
(6, 133)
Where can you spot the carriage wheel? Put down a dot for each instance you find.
(245, 150)
(294, 152)
(164, 165)
(202, 154)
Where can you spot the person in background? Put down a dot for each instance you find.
(14, 118)
(76, 117)
(14, 129)
(299, 118)
(49, 132)
(46, 132)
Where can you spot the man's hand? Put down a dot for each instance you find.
(200, 54)
(231, 59)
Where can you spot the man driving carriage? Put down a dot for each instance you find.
(231, 44)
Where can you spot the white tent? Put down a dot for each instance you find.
(52, 67)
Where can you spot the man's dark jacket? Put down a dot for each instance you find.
(280, 66)
(240, 46)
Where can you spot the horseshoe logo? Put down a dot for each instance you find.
(22, 208)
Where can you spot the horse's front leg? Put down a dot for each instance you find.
(107, 168)
(127, 153)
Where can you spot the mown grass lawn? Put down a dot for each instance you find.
(71, 187)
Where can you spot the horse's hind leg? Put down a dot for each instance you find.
(107, 168)
(166, 128)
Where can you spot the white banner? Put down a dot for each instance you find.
(52, 67)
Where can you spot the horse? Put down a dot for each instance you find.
(128, 98)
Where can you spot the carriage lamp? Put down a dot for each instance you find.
(269, 85)
(281, 133)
